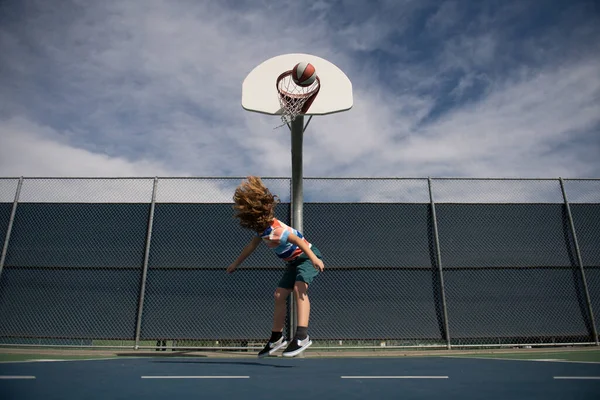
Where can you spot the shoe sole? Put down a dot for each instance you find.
(300, 350)
(273, 350)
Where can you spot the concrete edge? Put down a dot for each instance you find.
(308, 354)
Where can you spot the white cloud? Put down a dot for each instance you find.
(521, 128)
(32, 150)
(467, 52)
(116, 89)
(446, 16)
(516, 127)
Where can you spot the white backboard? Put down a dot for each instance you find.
(259, 91)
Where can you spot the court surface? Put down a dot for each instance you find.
(300, 378)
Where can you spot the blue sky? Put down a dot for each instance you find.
(441, 88)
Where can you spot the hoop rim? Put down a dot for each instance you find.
(306, 98)
(312, 92)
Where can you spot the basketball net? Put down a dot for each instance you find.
(294, 99)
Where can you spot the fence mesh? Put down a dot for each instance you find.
(75, 261)
(586, 218)
(73, 267)
(504, 235)
(377, 243)
(582, 191)
(57, 303)
(490, 191)
(86, 190)
(8, 190)
(517, 306)
(5, 211)
(510, 269)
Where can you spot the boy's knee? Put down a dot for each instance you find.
(281, 294)
(300, 287)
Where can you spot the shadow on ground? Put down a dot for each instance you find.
(258, 364)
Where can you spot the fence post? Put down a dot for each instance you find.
(438, 258)
(138, 326)
(579, 260)
(292, 316)
(10, 225)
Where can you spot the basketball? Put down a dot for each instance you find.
(304, 74)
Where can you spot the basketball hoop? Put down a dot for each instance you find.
(295, 99)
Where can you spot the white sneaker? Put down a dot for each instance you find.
(296, 347)
(272, 347)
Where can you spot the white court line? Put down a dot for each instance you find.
(195, 377)
(522, 359)
(393, 377)
(17, 377)
(578, 377)
(63, 360)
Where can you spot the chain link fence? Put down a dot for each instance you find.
(140, 262)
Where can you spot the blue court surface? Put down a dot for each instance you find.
(300, 378)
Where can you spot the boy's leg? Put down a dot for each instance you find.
(277, 341)
(303, 303)
(300, 340)
(305, 274)
(281, 295)
(284, 288)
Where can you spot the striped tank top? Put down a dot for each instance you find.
(276, 238)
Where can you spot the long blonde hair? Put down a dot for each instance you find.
(254, 204)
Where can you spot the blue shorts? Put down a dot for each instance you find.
(299, 270)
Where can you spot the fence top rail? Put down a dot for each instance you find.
(287, 177)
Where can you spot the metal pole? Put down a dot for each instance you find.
(297, 177)
(579, 261)
(10, 225)
(138, 326)
(297, 128)
(438, 257)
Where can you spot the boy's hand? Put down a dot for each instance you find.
(318, 264)
(231, 269)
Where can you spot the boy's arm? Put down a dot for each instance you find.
(317, 263)
(248, 249)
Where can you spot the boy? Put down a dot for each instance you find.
(255, 206)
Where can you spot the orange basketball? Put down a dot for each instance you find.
(304, 74)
